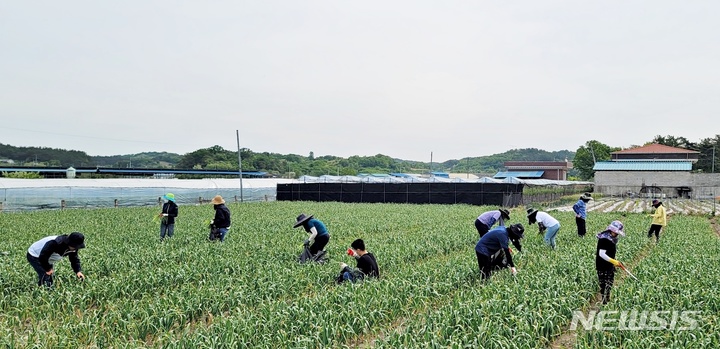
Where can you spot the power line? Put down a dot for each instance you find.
(93, 137)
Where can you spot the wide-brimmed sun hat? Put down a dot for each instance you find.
(504, 213)
(302, 218)
(516, 231)
(617, 228)
(169, 197)
(217, 200)
(531, 211)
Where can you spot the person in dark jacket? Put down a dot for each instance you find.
(168, 215)
(319, 234)
(605, 261)
(44, 253)
(366, 264)
(494, 247)
(486, 220)
(222, 216)
(580, 209)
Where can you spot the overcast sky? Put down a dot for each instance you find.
(401, 78)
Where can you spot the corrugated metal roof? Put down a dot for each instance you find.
(643, 166)
(519, 174)
(112, 170)
(539, 164)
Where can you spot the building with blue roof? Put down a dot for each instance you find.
(656, 171)
(552, 170)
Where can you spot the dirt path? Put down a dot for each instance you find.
(568, 338)
(715, 225)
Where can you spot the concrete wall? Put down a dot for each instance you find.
(620, 183)
(705, 185)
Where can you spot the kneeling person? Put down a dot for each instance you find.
(366, 264)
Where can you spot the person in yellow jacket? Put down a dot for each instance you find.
(659, 220)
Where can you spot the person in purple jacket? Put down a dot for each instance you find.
(486, 220)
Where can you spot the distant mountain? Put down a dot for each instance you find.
(280, 165)
(149, 160)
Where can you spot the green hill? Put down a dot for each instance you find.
(280, 165)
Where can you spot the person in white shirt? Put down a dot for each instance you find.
(546, 223)
(44, 253)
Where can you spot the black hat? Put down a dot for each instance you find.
(76, 240)
(504, 213)
(532, 215)
(516, 231)
(302, 218)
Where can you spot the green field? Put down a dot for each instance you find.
(250, 291)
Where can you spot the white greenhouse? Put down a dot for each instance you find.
(28, 194)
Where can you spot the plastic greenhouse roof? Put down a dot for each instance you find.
(643, 166)
(105, 170)
(208, 183)
(355, 179)
(524, 174)
(22, 194)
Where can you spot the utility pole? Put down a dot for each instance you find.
(713, 171)
(237, 134)
(430, 164)
(713, 160)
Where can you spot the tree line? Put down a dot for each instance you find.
(278, 165)
(293, 165)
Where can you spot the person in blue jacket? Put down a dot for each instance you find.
(494, 248)
(319, 235)
(44, 253)
(580, 209)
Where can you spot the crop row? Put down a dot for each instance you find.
(630, 205)
(251, 292)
